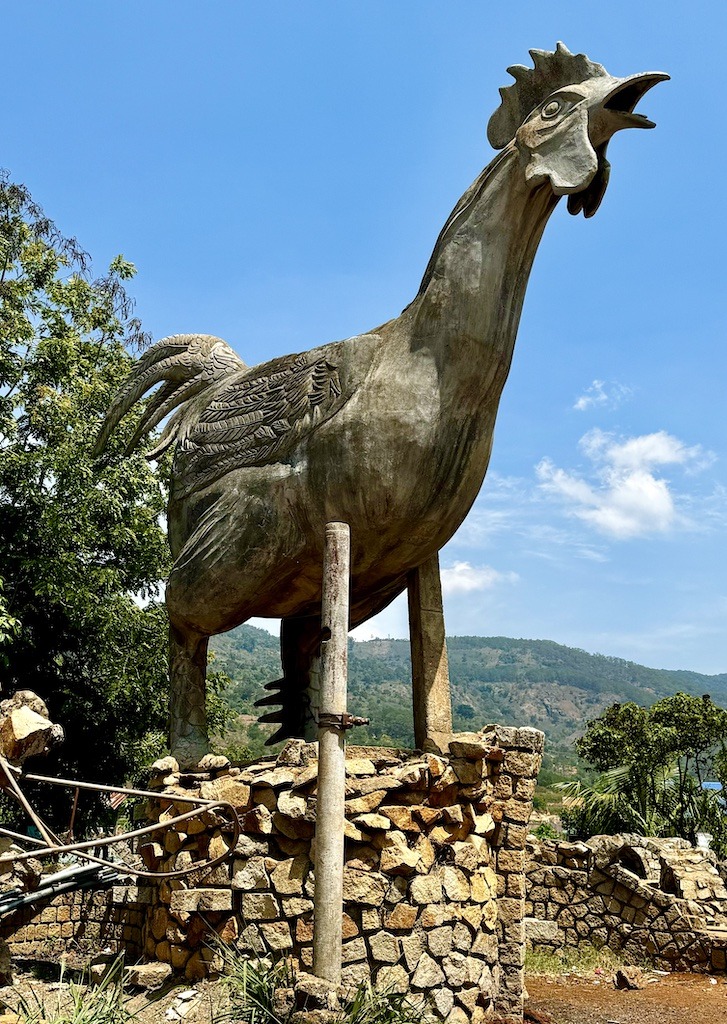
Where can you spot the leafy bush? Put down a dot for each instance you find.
(544, 830)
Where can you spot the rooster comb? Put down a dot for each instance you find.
(552, 71)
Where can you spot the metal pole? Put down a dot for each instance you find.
(328, 897)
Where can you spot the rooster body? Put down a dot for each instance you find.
(388, 431)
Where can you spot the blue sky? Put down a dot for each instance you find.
(279, 172)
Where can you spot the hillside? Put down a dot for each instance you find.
(494, 679)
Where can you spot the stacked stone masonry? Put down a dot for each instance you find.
(433, 882)
(80, 924)
(639, 896)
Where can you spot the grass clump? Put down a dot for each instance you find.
(80, 1002)
(254, 988)
(377, 1006)
(262, 992)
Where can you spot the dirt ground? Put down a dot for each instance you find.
(670, 999)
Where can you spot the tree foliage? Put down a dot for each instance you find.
(81, 545)
(654, 762)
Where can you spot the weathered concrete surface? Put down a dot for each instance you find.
(429, 662)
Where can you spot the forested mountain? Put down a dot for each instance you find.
(494, 679)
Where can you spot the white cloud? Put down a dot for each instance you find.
(626, 498)
(644, 452)
(601, 393)
(500, 503)
(463, 578)
(457, 579)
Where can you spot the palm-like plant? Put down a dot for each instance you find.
(624, 799)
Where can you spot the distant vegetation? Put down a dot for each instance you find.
(494, 679)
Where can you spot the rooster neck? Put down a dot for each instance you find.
(468, 307)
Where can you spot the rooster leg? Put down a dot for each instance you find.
(430, 669)
(297, 692)
(187, 670)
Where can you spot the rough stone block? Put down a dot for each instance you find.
(455, 884)
(201, 900)
(365, 887)
(259, 906)
(293, 828)
(426, 890)
(295, 906)
(373, 822)
(397, 858)
(455, 969)
(521, 764)
(258, 820)
(470, 745)
(401, 918)
(517, 811)
(250, 874)
(440, 940)
(25, 733)
(148, 976)
(442, 1000)
(537, 932)
(428, 973)
(392, 979)
(412, 947)
(483, 885)
(402, 817)
(288, 877)
(466, 856)
(385, 948)
(371, 919)
(229, 789)
(277, 935)
(364, 804)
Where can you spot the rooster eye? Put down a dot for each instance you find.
(551, 108)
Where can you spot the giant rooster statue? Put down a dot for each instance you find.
(388, 431)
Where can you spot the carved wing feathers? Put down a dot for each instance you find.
(188, 364)
(257, 418)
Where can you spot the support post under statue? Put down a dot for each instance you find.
(429, 664)
(330, 814)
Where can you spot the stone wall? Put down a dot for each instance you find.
(639, 896)
(80, 924)
(433, 884)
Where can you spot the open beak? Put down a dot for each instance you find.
(614, 112)
(621, 100)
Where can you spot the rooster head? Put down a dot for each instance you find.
(560, 115)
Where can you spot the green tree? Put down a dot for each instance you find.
(81, 545)
(8, 625)
(653, 763)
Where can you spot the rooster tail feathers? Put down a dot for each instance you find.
(188, 364)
